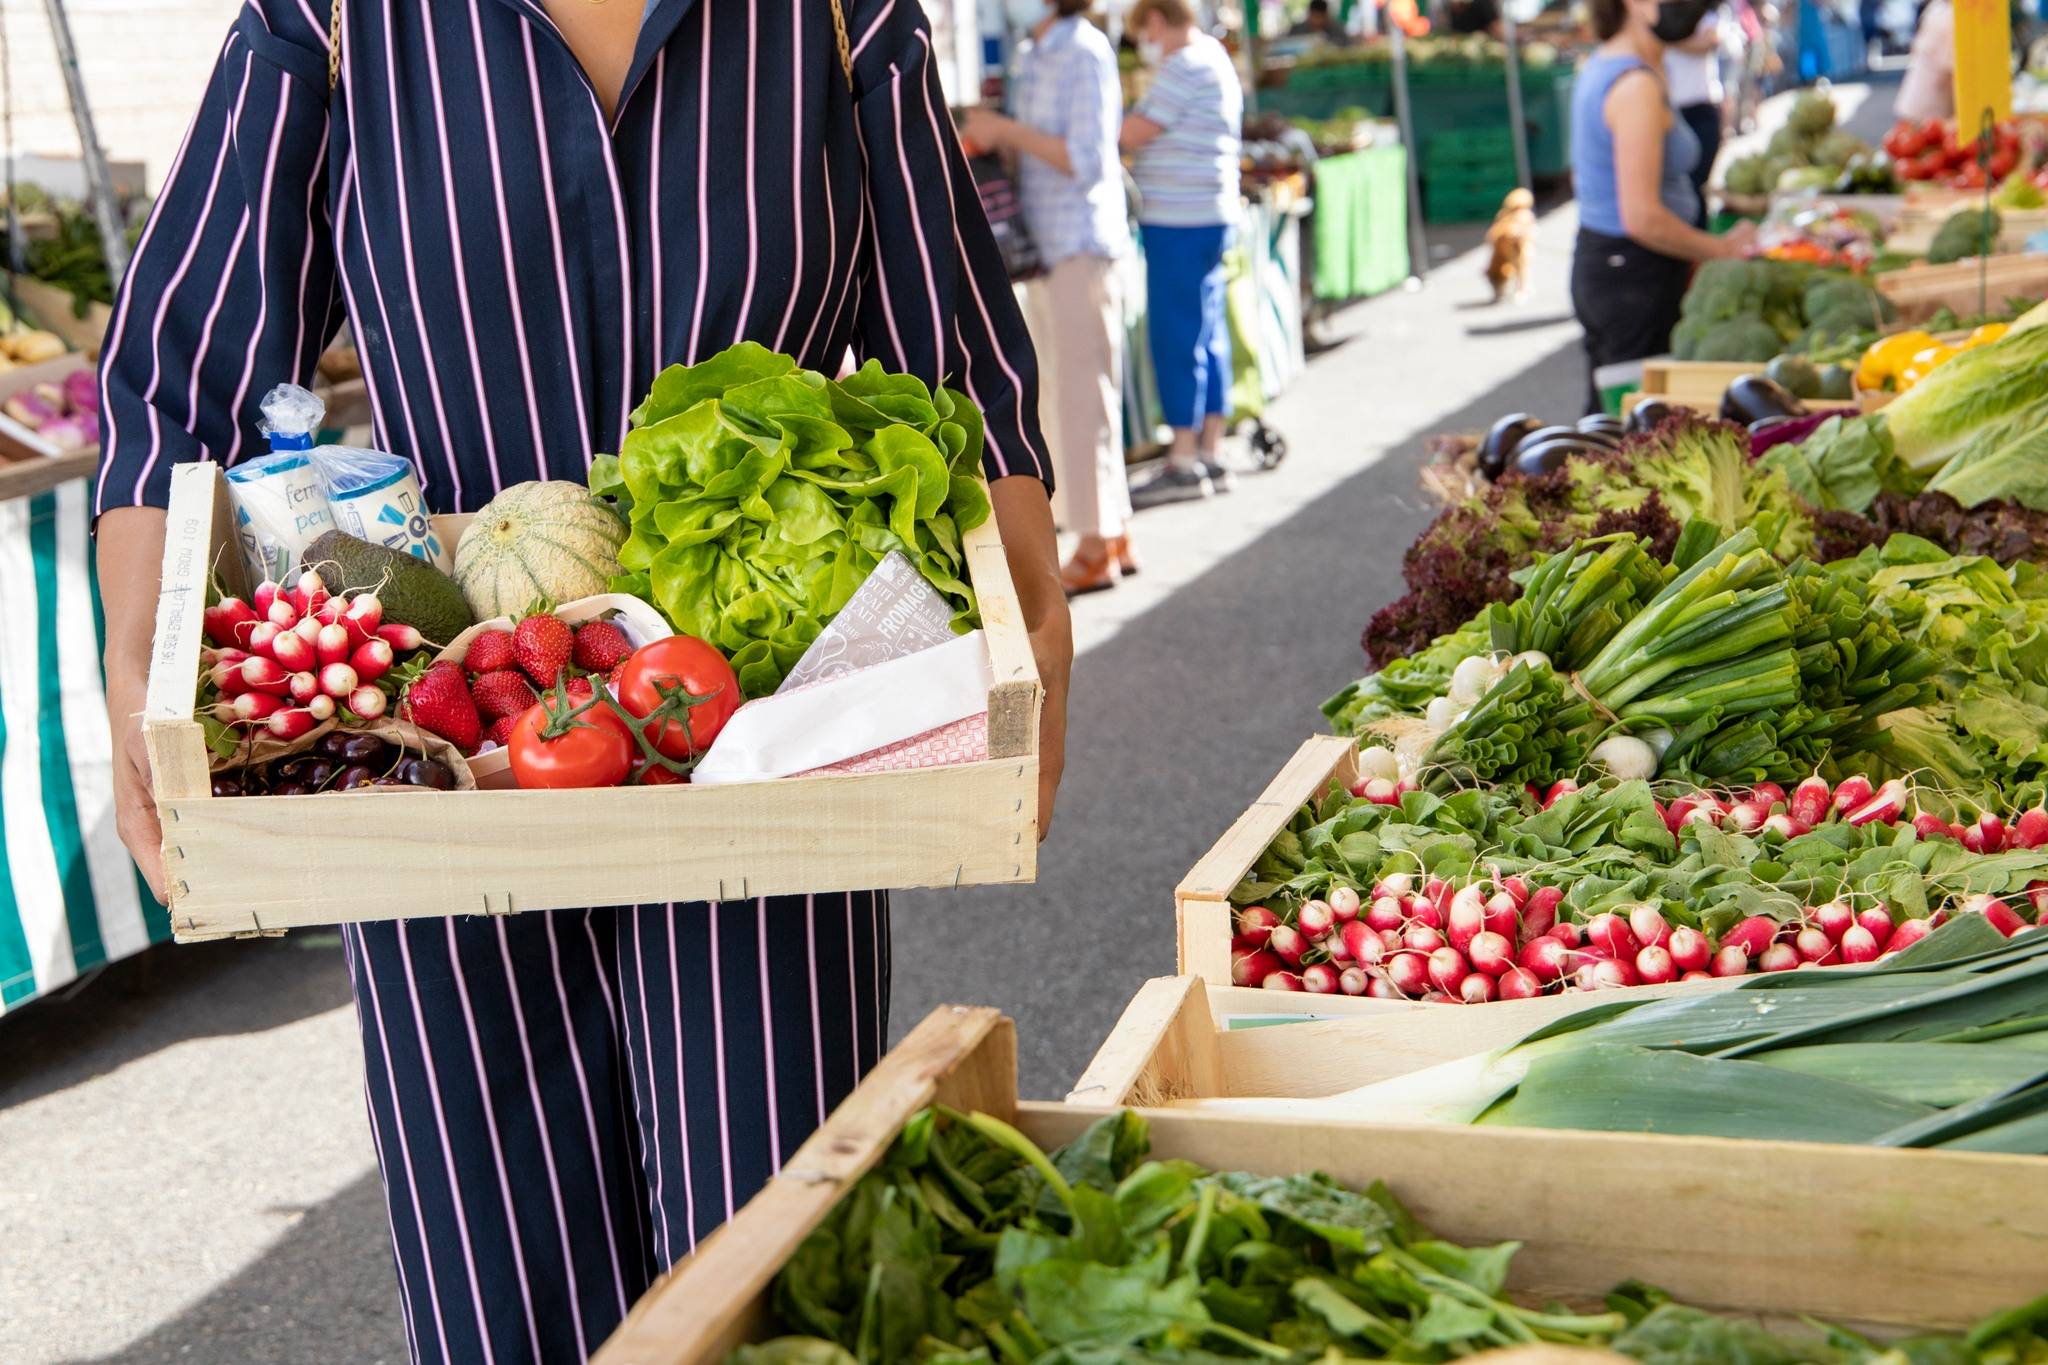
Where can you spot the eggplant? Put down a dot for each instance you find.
(1650, 414)
(1600, 421)
(1611, 440)
(1497, 447)
(1545, 457)
(1542, 434)
(1753, 397)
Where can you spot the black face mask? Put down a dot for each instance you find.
(1678, 20)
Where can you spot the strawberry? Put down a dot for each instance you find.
(439, 702)
(580, 690)
(489, 651)
(542, 644)
(501, 692)
(600, 647)
(500, 732)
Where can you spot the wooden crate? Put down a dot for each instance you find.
(1853, 1234)
(51, 309)
(1692, 383)
(495, 852)
(1914, 229)
(1921, 291)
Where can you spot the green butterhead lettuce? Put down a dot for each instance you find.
(1990, 386)
(761, 496)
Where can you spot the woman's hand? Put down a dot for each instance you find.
(131, 554)
(1024, 514)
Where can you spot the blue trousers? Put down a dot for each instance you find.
(1190, 333)
(564, 1103)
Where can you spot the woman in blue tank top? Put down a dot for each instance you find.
(1632, 161)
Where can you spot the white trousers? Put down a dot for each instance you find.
(1076, 315)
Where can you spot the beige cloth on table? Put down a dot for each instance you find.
(1076, 315)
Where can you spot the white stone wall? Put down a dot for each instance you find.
(145, 64)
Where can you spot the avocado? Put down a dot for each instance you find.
(1797, 374)
(1837, 382)
(414, 592)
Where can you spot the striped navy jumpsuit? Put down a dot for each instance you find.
(563, 1104)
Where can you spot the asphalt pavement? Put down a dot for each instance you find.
(189, 1174)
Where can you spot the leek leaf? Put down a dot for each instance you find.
(1940, 1074)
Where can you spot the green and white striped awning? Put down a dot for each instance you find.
(70, 897)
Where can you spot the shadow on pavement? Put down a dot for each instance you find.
(1176, 723)
(324, 1291)
(168, 995)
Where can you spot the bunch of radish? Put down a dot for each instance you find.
(1769, 810)
(290, 657)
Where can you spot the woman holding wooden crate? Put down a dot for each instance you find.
(525, 208)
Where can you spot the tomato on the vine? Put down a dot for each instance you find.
(680, 663)
(595, 749)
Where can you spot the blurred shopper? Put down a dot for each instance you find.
(1318, 23)
(1633, 159)
(1692, 76)
(1929, 88)
(1068, 103)
(1185, 133)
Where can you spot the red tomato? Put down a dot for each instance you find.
(686, 662)
(1927, 166)
(1971, 177)
(654, 775)
(2002, 162)
(596, 751)
(1901, 139)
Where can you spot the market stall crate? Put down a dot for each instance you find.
(495, 852)
(1690, 383)
(1963, 287)
(1854, 1235)
(1912, 232)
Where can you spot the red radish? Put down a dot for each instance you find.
(1729, 960)
(1422, 939)
(1381, 792)
(1334, 946)
(1468, 902)
(1655, 967)
(1316, 920)
(1438, 998)
(1835, 919)
(1344, 903)
(338, 680)
(1353, 981)
(293, 722)
(331, 645)
(229, 621)
(295, 653)
(1567, 933)
(1779, 825)
(1503, 915)
(368, 702)
(1766, 794)
(1255, 922)
(2037, 896)
(265, 675)
(1540, 914)
(1886, 804)
(1409, 972)
(1972, 838)
(265, 594)
(1391, 938)
(1695, 976)
(1876, 922)
(402, 638)
(1545, 959)
(282, 613)
(1320, 979)
(308, 630)
(1288, 942)
(1519, 985)
(322, 708)
(1959, 833)
(1438, 892)
(1812, 945)
(224, 712)
(1363, 945)
(1467, 921)
(1386, 912)
(1858, 945)
(1928, 825)
(1605, 975)
(1690, 951)
(1395, 884)
(1746, 816)
(1908, 934)
(303, 687)
(1423, 910)
(1240, 945)
(1675, 814)
(365, 610)
(1491, 953)
(2031, 829)
(1651, 929)
(262, 636)
(1610, 933)
(1810, 801)
(1476, 989)
(2002, 917)
(329, 613)
(228, 678)
(1993, 832)
(1559, 790)
(1853, 791)
(1380, 988)
(1253, 968)
(1752, 936)
(1447, 969)
(251, 707)
(1283, 981)
(1779, 957)
(1516, 888)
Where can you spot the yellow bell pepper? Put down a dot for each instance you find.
(1923, 363)
(1988, 333)
(1887, 356)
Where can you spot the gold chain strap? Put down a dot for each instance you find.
(334, 48)
(845, 50)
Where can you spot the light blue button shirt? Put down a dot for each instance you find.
(1067, 86)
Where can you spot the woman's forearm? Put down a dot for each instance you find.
(1043, 145)
(131, 556)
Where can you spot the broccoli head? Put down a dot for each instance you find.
(1812, 114)
(1685, 337)
(1746, 176)
(1838, 147)
(1745, 338)
(1790, 143)
(1971, 232)
(1841, 295)
(1727, 289)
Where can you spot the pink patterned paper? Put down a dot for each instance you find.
(963, 741)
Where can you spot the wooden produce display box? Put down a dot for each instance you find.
(405, 854)
(1964, 287)
(1861, 1236)
(1690, 383)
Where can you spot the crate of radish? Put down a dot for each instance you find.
(1342, 884)
(527, 763)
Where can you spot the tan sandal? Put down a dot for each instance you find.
(1126, 557)
(1081, 575)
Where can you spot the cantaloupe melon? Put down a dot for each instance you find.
(536, 542)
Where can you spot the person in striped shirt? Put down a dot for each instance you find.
(1185, 136)
(525, 209)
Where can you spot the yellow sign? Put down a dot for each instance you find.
(1983, 64)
